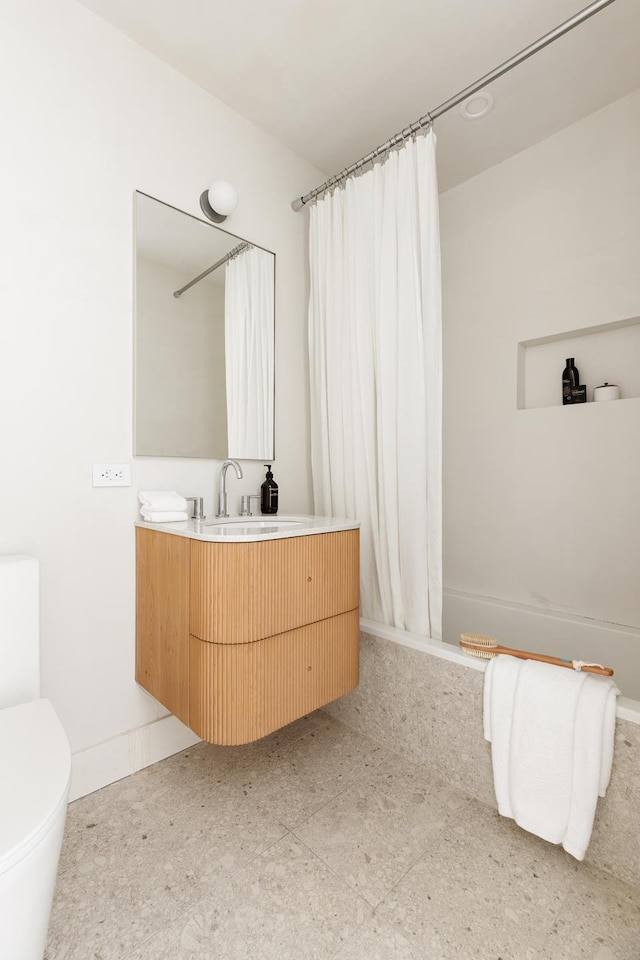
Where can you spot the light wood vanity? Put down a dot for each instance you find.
(240, 638)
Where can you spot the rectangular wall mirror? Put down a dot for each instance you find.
(204, 339)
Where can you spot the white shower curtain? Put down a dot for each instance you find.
(249, 331)
(375, 345)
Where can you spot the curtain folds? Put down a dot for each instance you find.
(249, 354)
(375, 348)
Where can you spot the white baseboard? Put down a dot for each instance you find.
(114, 759)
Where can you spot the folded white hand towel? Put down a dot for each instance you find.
(163, 516)
(501, 679)
(592, 758)
(162, 500)
(542, 748)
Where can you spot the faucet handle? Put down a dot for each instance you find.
(198, 507)
(245, 503)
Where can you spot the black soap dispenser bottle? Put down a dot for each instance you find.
(269, 493)
(570, 378)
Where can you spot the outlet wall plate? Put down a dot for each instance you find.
(112, 475)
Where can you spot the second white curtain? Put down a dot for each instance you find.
(249, 330)
(376, 379)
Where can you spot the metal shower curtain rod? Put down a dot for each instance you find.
(432, 115)
(205, 273)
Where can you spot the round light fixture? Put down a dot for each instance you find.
(477, 106)
(218, 201)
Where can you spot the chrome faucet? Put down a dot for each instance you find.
(245, 503)
(222, 489)
(198, 507)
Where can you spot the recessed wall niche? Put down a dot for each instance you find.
(608, 352)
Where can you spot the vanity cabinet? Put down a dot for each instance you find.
(239, 639)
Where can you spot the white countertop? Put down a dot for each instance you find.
(251, 529)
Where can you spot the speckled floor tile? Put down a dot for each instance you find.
(296, 781)
(481, 891)
(206, 774)
(376, 829)
(132, 863)
(376, 940)
(285, 906)
(224, 760)
(190, 859)
(600, 920)
(483, 824)
(425, 708)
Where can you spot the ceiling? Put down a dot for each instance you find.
(332, 80)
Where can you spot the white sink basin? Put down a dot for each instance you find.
(256, 523)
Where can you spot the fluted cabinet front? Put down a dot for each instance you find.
(272, 631)
(242, 592)
(240, 692)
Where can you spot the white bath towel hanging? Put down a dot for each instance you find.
(552, 733)
(593, 757)
(541, 758)
(500, 684)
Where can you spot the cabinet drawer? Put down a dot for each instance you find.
(241, 692)
(243, 592)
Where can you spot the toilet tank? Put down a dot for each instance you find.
(19, 630)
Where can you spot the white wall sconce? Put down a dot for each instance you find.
(218, 201)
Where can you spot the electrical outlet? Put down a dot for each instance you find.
(112, 475)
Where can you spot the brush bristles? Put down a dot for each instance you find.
(481, 645)
(484, 654)
(479, 639)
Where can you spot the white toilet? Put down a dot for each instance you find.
(35, 771)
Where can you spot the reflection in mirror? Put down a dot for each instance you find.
(204, 335)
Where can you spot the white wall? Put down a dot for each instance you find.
(87, 118)
(541, 505)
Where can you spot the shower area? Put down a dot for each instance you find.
(458, 306)
(520, 521)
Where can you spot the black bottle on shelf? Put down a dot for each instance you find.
(269, 493)
(570, 378)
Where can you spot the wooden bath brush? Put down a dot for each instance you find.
(479, 645)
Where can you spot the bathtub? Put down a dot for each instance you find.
(422, 698)
(628, 709)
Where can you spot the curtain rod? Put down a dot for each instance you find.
(205, 273)
(432, 115)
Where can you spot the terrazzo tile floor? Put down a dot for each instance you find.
(316, 843)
